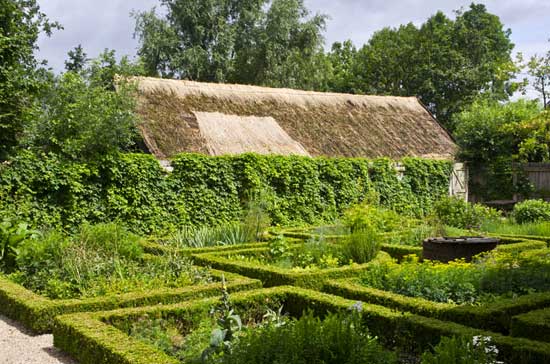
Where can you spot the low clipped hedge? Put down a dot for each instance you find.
(37, 312)
(496, 316)
(518, 238)
(91, 339)
(274, 276)
(532, 325)
(521, 245)
(152, 247)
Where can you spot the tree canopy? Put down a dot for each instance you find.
(446, 63)
(274, 43)
(21, 21)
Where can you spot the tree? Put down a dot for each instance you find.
(492, 135)
(77, 59)
(446, 63)
(103, 70)
(21, 21)
(539, 69)
(259, 42)
(80, 120)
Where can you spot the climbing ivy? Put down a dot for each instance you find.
(203, 190)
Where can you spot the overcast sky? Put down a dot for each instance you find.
(99, 24)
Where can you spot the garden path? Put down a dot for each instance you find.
(19, 346)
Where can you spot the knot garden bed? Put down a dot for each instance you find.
(103, 338)
(514, 316)
(37, 312)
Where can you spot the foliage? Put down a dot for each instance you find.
(12, 234)
(368, 217)
(455, 282)
(21, 23)
(463, 350)
(497, 273)
(446, 62)
(456, 212)
(77, 59)
(362, 246)
(45, 189)
(538, 68)
(232, 233)
(338, 338)
(508, 227)
(100, 260)
(229, 324)
(252, 42)
(83, 122)
(529, 211)
(492, 136)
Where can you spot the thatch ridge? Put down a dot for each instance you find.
(329, 124)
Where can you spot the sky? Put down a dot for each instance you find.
(100, 24)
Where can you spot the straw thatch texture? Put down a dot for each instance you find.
(231, 134)
(322, 123)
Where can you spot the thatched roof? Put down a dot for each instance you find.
(185, 116)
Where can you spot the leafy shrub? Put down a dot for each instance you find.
(456, 212)
(454, 282)
(79, 120)
(362, 246)
(531, 211)
(496, 273)
(338, 339)
(361, 217)
(12, 234)
(463, 350)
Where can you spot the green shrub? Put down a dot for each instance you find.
(456, 212)
(454, 282)
(500, 273)
(361, 217)
(463, 350)
(362, 246)
(531, 211)
(12, 234)
(336, 339)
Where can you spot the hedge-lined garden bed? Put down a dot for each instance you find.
(103, 337)
(272, 275)
(37, 312)
(486, 294)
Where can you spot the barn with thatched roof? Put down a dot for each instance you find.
(217, 119)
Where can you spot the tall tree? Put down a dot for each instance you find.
(538, 68)
(260, 42)
(446, 63)
(21, 21)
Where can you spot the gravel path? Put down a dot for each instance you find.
(18, 346)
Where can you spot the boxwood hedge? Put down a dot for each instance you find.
(91, 339)
(37, 312)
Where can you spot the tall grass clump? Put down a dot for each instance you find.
(362, 245)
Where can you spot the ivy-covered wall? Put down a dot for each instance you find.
(204, 190)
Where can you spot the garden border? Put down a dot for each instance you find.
(495, 317)
(271, 276)
(91, 340)
(534, 325)
(37, 312)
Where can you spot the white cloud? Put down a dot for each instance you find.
(99, 24)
